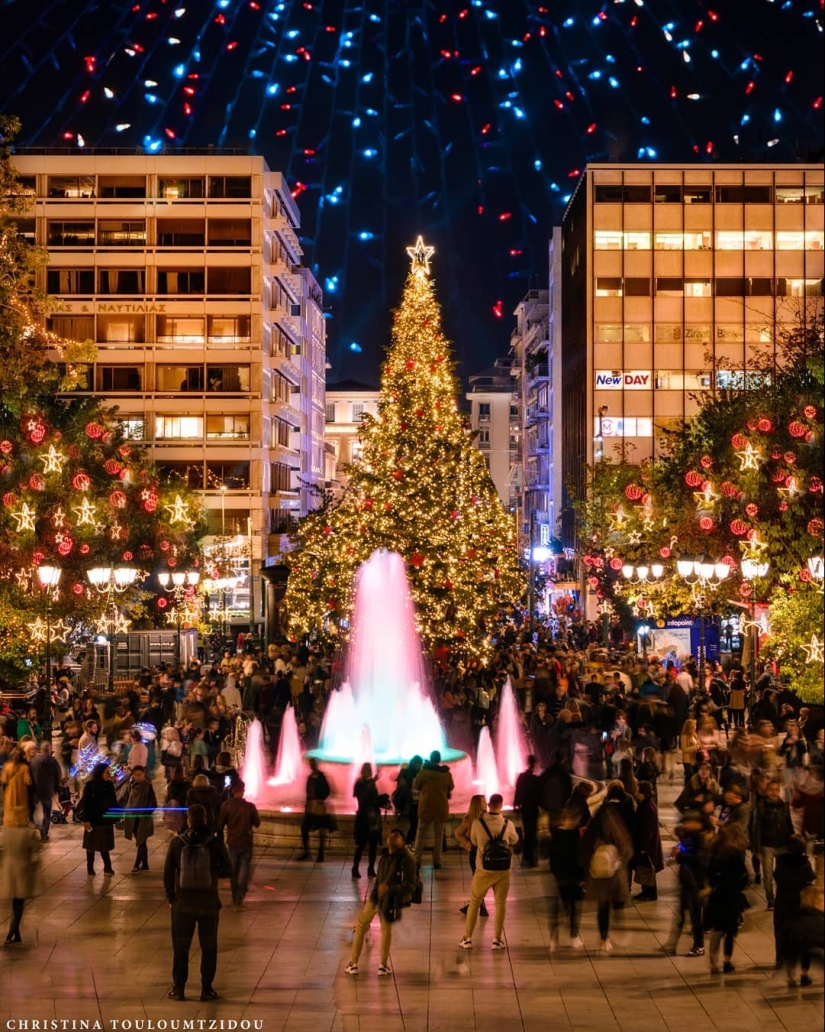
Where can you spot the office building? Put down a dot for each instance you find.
(496, 419)
(186, 272)
(671, 279)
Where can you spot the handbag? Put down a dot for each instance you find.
(605, 862)
(644, 873)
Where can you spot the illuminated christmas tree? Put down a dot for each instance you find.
(420, 489)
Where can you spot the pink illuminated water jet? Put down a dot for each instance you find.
(511, 753)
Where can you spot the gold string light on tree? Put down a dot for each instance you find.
(420, 488)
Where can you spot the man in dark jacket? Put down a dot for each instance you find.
(526, 802)
(395, 881)
(196, 859)
(239, 817)
(46, 776)
(692, 855)
(434, 783)
(772, 828)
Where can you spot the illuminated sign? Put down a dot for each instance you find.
(618, 380)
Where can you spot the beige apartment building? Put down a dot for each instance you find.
(668, 279)
(186, 272)
(347, 402)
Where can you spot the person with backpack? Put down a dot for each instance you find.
(476, 809)
(393, 890)
(606, 849)
(494, 838)
(195, 861)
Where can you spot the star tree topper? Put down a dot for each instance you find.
(420, 255)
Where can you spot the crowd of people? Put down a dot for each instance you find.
(601, 725)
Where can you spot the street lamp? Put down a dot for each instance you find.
(177, 583)
(49, 576)
(111, 581)
(703, 575)
(753, 570)
(644, 574)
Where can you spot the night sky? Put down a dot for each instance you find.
(465, 121)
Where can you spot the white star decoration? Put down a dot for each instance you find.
(179, 512)
(52, 461)
(749, 458)
(420, 255)
(85, 513)
(814, 650)
(24, 518)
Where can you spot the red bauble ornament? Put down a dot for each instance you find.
(471, 553)
(764, 425)
(593, 582)
(796, 428)
(77, 588)
(398, 474)
(751, 424)
(455, 514)
(664, 552)
(419, 412)
(84, 549)
(124, 451)
(94, 430)
(368, 503)
(387, 507)
(752, 510)
(783, 506)
(117, 499)
(448, 585)
(739, 527)
(633, 492)
(706, 523)
(112, 466)
(164, 546)
(815, 485)
(417, 560)
(809, 412)
(738, 440)
(706, 462)
(9, 499)
(327, 530)
(127, 557)
(616, 563)
(125, 474)
(172, 562)
(81, 482)
(805, 575)
(729, 490)
(65, 546)
(162, 603)
(815, 527)
(692, 478)
(37, 482)
(6, 447)
(745, 590)
(409, 365)
(790, 458)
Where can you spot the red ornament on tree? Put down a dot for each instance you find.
(409, 365)
(9, 499)
(6, 447)
(616, 563)
(796, 428)
(752, 510)
(692, 478)
(738, 440)
(706, 462)
(739, 527)
(706, 523)
(633, 492)
(162, 603)
(37, 482)
(417, 560)
(84, 549)
(368, 503)
(764, 425)
(94, 430)
(809, 412)
(664, 552)
(327, 530)
(815, 485)
(112, 466)
(81, 482)
(65, 546)
(398, 474)
(117, 499)
(77, 588)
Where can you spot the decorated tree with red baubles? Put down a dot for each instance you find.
(74, 494)
(420, 489)
(741, 483)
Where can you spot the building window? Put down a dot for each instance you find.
(329, 412)
(744, 195)
(230, 187)
(609, 286)
(175, 281)
(357, 411)
(181, 474)
(73, 327)
(26, 229)
(117, 233)
(678, 380)
(697, 288)
(176, 378)
(181, 233)
(180, 329)
(514, 413)
(229, 280)
(132, 429)
(682, 241)
(178, 428)
(669, 286)
(609, 240)
(790, 195)
(234, 476)
(23, 186)
(730, 240)
(730, 286)
(629, 426)
(484, 410)
(121, 281)
(799, 287)
(232, 428)
(121, 186)
(227, 379)
(630, 333)
(637, 286)
(484, 435)
(281, 477)
(761, 286)
(229, 329)
(812, 240)
(70, 281)
(280, 433)
(74, 187)
(71, 234)
(280, 388)
(177, 188)
(127, 329)
(667, 193)
(697, 194)
(230, 232)
(118, 378)
(615, 194)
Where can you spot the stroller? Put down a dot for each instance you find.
(66, 805)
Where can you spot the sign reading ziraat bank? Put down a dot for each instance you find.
(627, 380)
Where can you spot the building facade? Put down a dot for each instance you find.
(496, 421)
(186, 273)
(671, 280)
(347, 402)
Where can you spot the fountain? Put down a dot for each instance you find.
(381, 714)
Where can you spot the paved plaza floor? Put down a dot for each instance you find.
(99, 948)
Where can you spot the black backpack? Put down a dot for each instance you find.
(496, 855)
(196, 864)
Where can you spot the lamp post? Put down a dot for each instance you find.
(49, 577)
(753, 570)
(649, 574)
(703, 575)
(112, 581)
(177, 583)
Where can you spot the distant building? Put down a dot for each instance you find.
(495, 418)
(346, 403)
